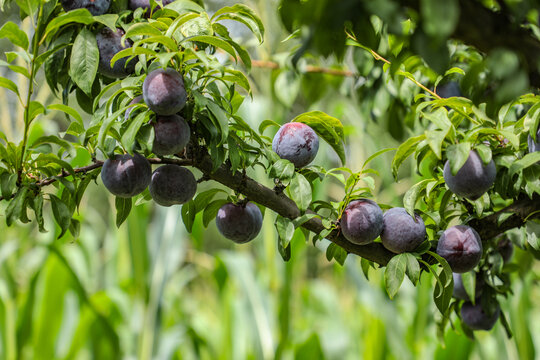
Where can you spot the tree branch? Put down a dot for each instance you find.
(488, 227)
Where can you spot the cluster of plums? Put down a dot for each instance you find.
(126, 175)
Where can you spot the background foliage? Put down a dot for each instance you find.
(151, 290)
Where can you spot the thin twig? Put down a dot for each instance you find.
(309, 68)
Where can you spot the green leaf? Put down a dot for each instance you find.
(457, 155)
(242, 52)
(220, 118)
(37, 205)
(506, 325)
(203, 198)
(404, 151)
(128, 138)
(411, 196)
(107, 123)
(282, 169)
(67, 110)
(123, 208)
(299, 221)
(8, 184)
(469, 283)
(300, 191)
(237, 77)
(34, 109)
(8, 84)
(160, 39)
(140, 29)
(84, 60)
(377, 154)
(13, 32)
(61, 213)
(442, 294)
(47, 159)
(16, 206)
(75, 228)
(435, 139)
(327, 127)
(199, 25)
(188, 215)
(182, 6)
(243, 14)
(16, 68)
(266, 124)
(413, 268)
(211, 210)
(285, 230)
(234, 154)
(132, 51)
(82, 16)
(214, 41)
(333, 251)
(108, 20)
(525, 162)
(52, 139)
(533, 234)
(484, 152)
(394, 274)
(366, 265)
(439, 118)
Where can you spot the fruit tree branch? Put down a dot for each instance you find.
(488, 227)
(522, 209)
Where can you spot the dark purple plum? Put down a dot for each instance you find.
(172, 184)
(534, 145)
(459, 289)
(401, 232)
(164, 91)
(109, 44)
(126, 175)
(96, 7)
(297, 143)
(506, 249)
(450, 89)
(476, 318)
(136, 100)
(171, 135)
(362, 221)
(461, 246)
(473, 179)
(239, 223)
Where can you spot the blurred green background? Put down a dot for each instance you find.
(149, 290)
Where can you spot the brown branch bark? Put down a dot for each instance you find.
(488, 227)
(524, 208)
